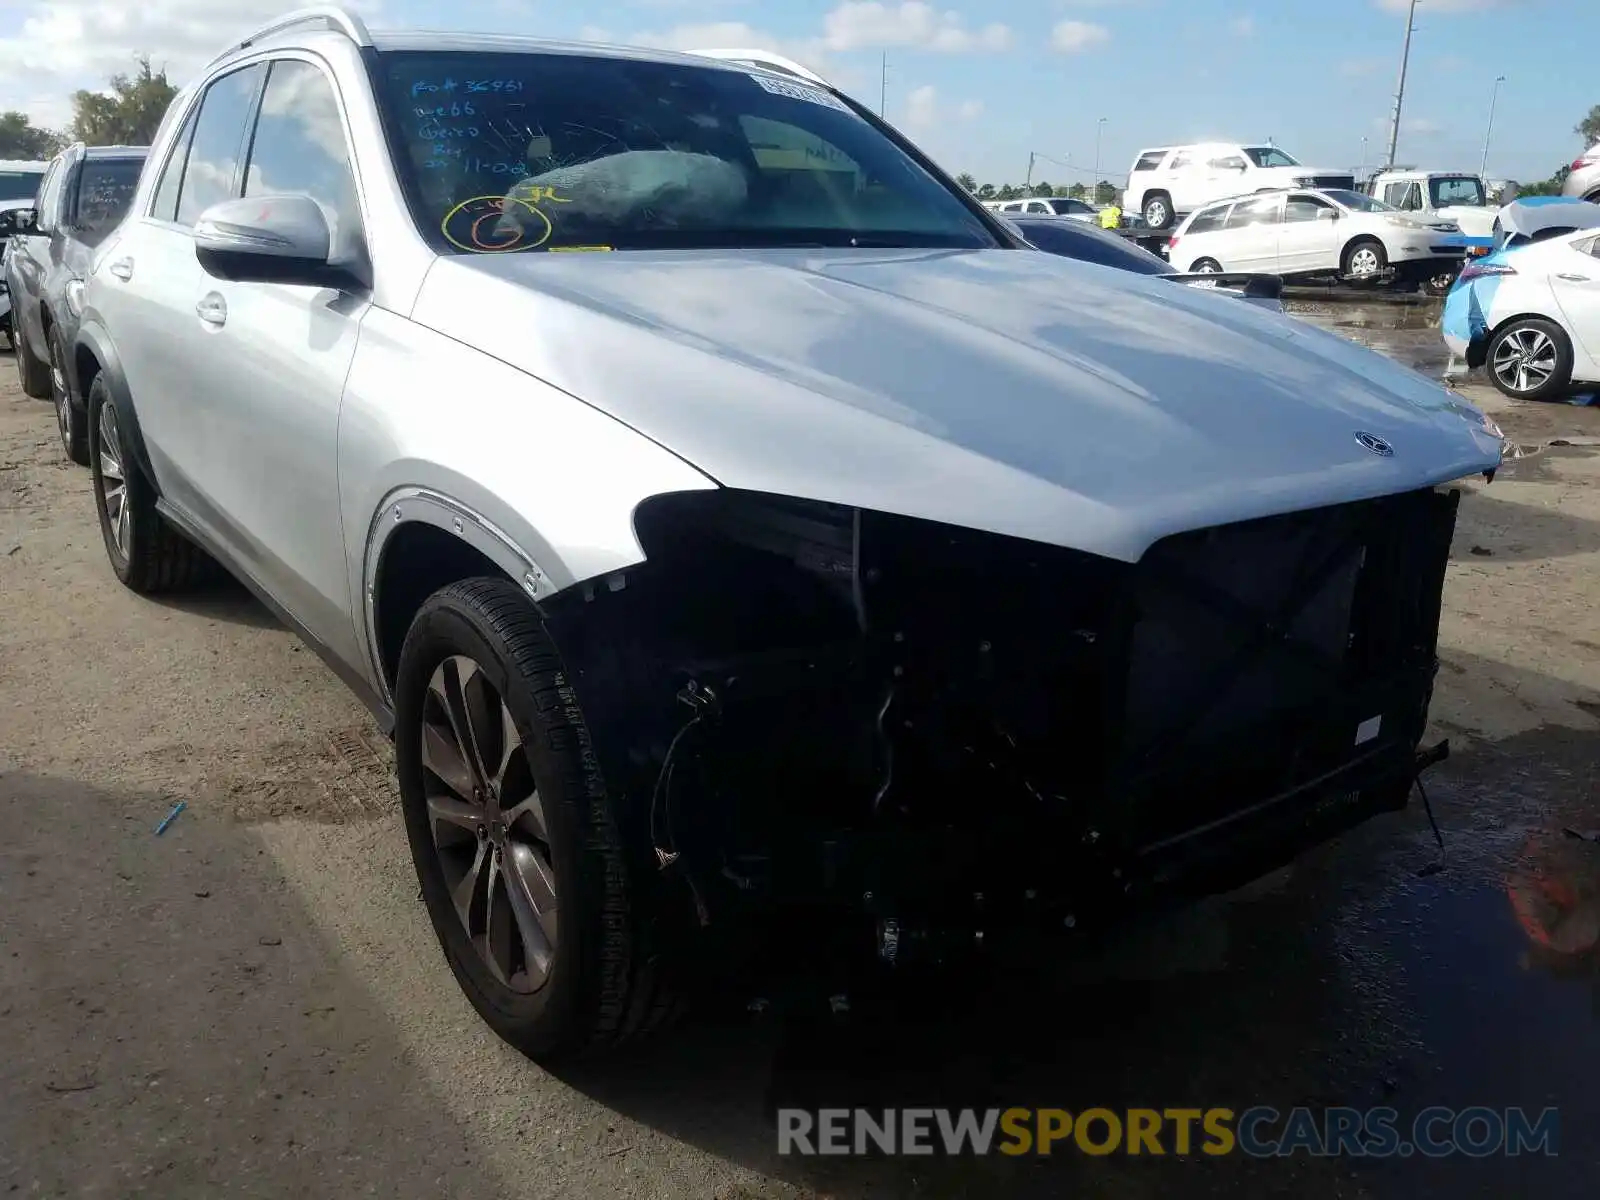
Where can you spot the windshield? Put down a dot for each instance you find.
(506, 152)
(1358, 201)
(1063, 207)
(1269, 156)
(19, 185)
(1457, 190)
(105, 189)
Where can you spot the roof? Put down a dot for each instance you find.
(418, 39)
(110, 153)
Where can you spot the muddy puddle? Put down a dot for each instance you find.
(1406, 328)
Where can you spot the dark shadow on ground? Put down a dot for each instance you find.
(1492, 528)
(1365, 979)
(173, 1025)
(222, 598)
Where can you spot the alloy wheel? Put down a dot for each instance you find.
(1364, 261)
(113, 480)
(1525, 359)
(63, 398)
(488, 825)
(1155, 214)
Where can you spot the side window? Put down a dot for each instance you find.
(1229, 162)
(211, 173)
(1039, 206)
(1149, 160)
(1305, 208)
(1264, 211)
(165, 205)
(1179, 162)
(45, 200)
(1403, 195)
(1208, 220)
(299, 147)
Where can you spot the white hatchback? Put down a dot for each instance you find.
(1314, 232)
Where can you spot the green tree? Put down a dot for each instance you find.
(985, 191)
(967, 181)
(21, 138)
(128, 113)
(1078, 191)
(1105, 192)
(1589, 128)
(1546, 187)
(1043, 189)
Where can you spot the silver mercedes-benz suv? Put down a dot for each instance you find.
(750, 543)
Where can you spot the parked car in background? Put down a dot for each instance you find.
(1088, 243)
(1437, 196)
(1049, 206)
(1166, 183)
(1304, 233)
(1530, 315)
(19, 185)
(85, 194)
(1583, 179)
(713, 530)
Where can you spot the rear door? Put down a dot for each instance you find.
(152, 281)
(1251, 234)
(1575, 277)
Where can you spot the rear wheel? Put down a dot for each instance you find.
(517, 846)
(1530, 359)
(146, 553)
(69, 418)
(1206, 266)
(1158, 210)
(33, 373)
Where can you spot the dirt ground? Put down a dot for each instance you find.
(253, 1002)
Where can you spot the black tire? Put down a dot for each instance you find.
(70, 421)
(1205, 266)
(32, 372)
(603, 986)
(1525, 340)
(149, 556)
(1159, 204)
(1362, 247)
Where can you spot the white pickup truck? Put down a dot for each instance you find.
(1438, 195)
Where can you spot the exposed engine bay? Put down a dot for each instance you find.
(941, 731)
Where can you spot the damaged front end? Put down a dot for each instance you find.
(928, 731)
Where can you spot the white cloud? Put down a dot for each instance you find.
(595, 33)
(868, 24)
(1071, 37)
(1243, 26)
(58, 46)
(734, 35)
(925, 111)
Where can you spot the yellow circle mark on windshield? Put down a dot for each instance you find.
(474, 226)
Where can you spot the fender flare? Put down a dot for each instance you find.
(93, 341)
(410, 505)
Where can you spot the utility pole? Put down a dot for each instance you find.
(1400, 88)
(883, 85)
(1099, 128)
(1029, 180)
(1483, 167)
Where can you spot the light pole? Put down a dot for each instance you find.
(1400, 87)
(1099, 128)
(1483, 167)
(1362, 169)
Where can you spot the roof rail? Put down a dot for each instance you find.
(766, 60)
(329, 16)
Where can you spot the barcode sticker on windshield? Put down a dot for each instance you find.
(795, 91)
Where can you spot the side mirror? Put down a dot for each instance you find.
(1329, 214)
(271, 239)
(19, 222)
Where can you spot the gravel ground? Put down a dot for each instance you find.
(253, 1003)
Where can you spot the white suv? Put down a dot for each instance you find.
(1167, 182)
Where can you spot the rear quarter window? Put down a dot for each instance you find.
(1149, 160)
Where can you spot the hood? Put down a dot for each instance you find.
(1475, 220)
(1015, 392)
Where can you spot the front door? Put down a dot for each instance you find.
(272, 363)
(1308, 239)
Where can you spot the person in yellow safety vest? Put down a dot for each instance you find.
(1110, 217)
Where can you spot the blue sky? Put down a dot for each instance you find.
(982, 85)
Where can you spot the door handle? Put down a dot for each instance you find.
(212, 309)
(122, 268)
(1571, 278)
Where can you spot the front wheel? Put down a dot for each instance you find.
(1158, 210)
(69, 418)
(1206, 266)
(1364, 259)
(516, 843)
(1530, 359)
